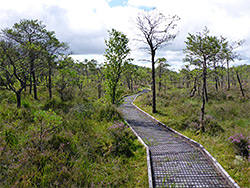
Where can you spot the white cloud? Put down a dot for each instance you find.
(84, 24)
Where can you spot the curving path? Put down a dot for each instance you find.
(175, 161)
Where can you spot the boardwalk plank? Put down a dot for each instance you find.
(175, 161)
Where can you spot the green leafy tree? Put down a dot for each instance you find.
(37, 42)
(116, 55)
(162, 65)
(157, 32)
(200, 50)
(54, 48)
(13, 68)
(66, 79)
(129, 73)
(195, 75)
(185, 74)
(27, 49)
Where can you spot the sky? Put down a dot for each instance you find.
(83, 24)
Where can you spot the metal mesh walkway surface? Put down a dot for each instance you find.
(174, 161)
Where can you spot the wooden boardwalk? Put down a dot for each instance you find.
(175, 161)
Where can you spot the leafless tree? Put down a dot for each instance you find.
(156, 31)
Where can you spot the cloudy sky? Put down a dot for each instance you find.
(84, 23)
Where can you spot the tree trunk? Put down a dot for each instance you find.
(50, 81)
(113, 94)
(159, 89)
(35, 88)
(206, 92)
(202, 110)
(228, 76)
(25, 81)
(30, 82)
(205, 80)
(131, 85)
(216, 77)
(50, 85)
(153, 81)
(18, 98)
(99, 90)
(204, 95)
(188, 80)
(33, 77)
(128, 82)
(194, 89)
(216, 83)
(241, 89)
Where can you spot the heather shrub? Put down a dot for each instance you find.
(212, 126)
(108, 112)
(122, 140)
(241, 144)
(216, 95)
(10, 137)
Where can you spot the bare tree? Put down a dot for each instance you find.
(157, 31)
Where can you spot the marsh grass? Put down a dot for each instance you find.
(227, 113)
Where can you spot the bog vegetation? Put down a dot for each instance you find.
(58, 126)
(59, 122)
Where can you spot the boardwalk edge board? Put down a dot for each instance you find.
(196, 144)
(150, 178)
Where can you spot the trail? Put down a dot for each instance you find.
(175, 162)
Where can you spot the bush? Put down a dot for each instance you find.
(57, 105)
(122, 140)
(7, 97)
(216, 95)
(26, 104)
(108, 112)
(55, 144)
(241, 145)
(212, 127)
(85, 110)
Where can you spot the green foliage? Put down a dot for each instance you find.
(108, 112)
(66, 79)
(116, 56)
(8, 97)
(123, 140)
(10, 138)
(27, 50)
(42, 145)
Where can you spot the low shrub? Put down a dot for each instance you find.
(241, 145)
(57, 105)
(122, 140)
(108, 112)
(212, 126)
(55, 143)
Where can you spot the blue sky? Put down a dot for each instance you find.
(84, 23)
(122, 3)
(115, 3)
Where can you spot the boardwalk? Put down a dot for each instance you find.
(174, 161)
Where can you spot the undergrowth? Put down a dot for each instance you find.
(77, 143)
